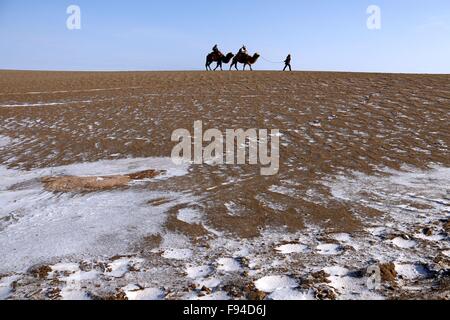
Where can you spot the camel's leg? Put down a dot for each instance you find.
(251, 69)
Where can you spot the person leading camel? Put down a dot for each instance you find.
(287, 63)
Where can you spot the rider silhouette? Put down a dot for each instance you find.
(216, 50)
(243, 50)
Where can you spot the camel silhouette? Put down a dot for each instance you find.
(245, 59)
(219, 58)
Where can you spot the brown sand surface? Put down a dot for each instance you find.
(333, 125)
(92, 184)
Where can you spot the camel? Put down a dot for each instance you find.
(245, 59)
(219, 58)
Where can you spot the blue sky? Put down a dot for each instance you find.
(177, 34)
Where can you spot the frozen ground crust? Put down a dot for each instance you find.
(38, 226)
(409, 197)
(4, 141)
(82, 227)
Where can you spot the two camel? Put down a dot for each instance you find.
(241, 58)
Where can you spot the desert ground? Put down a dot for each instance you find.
(92, 207)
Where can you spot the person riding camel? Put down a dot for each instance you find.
(243, 50)
(216, 50)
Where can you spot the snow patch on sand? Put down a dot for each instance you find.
(392, 191)
(4, 141)
(199, 272)
(342, 237)
(42, 104)
(177, 254)
(329, 249)
(403, 243)
(432, 238)
(228, 265)
(271, 284)
(287, 294)
(211, 283)
(74, 278)
(282, 190)
(292, 248)
(348, 287)
(411, 271)
(216, 296)
(134, 292)
(118, 268)
(378, 231)
(39, 226)
(5, 286)
(190, 216)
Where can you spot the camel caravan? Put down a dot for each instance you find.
(241, 57)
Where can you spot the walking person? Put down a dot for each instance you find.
(287, 63)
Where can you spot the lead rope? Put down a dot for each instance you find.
(277, 62)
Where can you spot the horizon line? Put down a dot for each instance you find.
(200, 70)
